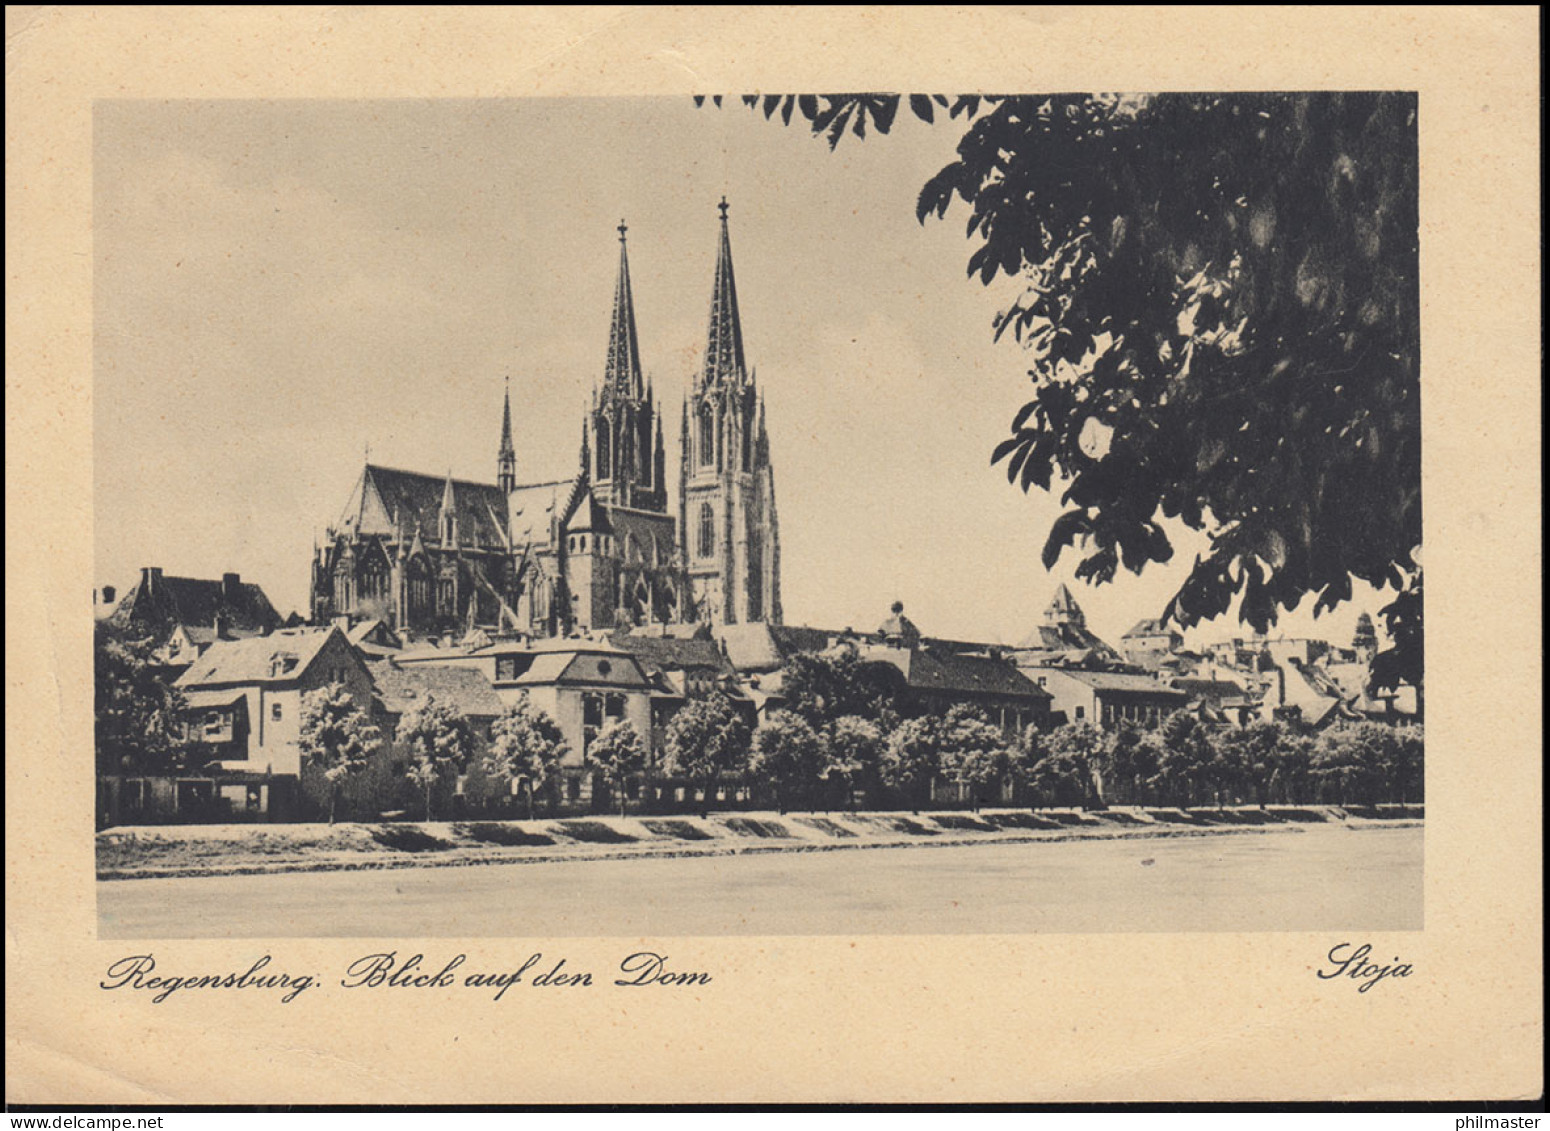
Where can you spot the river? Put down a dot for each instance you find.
(1311, 879)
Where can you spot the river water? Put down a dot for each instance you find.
(1312, 879)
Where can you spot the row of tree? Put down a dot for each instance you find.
(957, 758)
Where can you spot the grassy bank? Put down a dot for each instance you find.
(212, 850)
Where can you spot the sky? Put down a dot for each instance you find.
(281, 286)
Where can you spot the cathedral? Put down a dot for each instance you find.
(603, 549)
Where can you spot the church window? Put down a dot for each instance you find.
(707, 436)
(747, 448)
(707, 530)
(603, 452)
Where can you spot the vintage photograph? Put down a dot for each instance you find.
(799, 514)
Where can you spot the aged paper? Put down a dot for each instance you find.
(1119, 1017)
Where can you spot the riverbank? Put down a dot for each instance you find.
(170, 851)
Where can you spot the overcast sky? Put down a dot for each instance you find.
(280, 284)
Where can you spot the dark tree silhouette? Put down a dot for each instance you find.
(1221, 310)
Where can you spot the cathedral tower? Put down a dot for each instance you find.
(627, 467)
(726, 527)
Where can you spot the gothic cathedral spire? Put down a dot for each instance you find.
(623, 414)
(622, 375)
(724, 362)
(727, 526)
(506, 463)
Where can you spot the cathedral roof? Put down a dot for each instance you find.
(533, 505)
(724, 362)
(388, 501)
(622, 374)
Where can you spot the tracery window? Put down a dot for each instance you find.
(707, 436)
(707, 530)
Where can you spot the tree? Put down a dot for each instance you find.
(1064, 771)
(139, 711)
(1252, 755)
(1129, 758)
(1345, 763)
(785, 755)
(526, 748)
(852, 748)
(911, 760)
(1187, 753)
(1407, 772)
(705, 740)
(825, 686)
(1221, 309)
(337, 737)
(439, 742)
(619, 755)
(973, 751)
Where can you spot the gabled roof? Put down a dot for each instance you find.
(588, 665)
(1150, 627)
(669, 653)
(970, 675)
(1213, 690)
(589, 516)
(392, 500)
(465, 690)
(1068, 637)
(761, 647)
(160, 602)
(532, 506)
(1122, 681)
(280, 657)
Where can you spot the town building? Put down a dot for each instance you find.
(602, 549)
(1150, 644)
(242, 716)
(1107, 698)
(185, 615)
(1063, 637)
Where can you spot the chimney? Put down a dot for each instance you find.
(108, 593)
(150, 580)
(231, 587)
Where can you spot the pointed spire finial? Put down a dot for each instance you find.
(724, 362)
(723, 206)
(623, 371)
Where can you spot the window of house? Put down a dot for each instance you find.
(1041, 680)
(592, 710)
(276, 712)
(1081, 712)
(614, 706)
(575, 789)
(707, 530)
